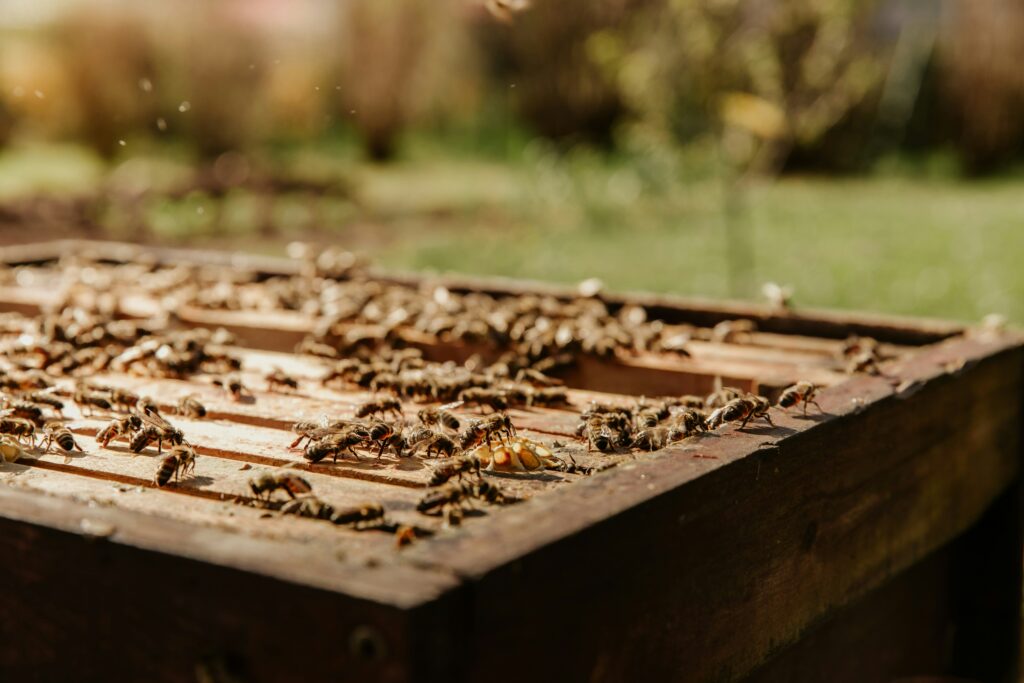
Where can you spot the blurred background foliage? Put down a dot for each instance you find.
(866, 151)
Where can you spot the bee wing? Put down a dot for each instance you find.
(452, 406)
(155, 420)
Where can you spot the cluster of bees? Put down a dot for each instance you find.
(651, 426)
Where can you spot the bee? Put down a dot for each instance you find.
(308, 506)
(189, 406)
(10, 450)
(656, 438)
(442, 444)
(691, 420)
(380, 433)
(91, 400)
(18, 428)
(537, 378)
(26, 411)
(733, 331)
(495, 400)
(721, 396)
(439, 416)
(155, 428)
(481, 431)
(740, 410)
(178, 462)
(801, 392)
(118, 428)
(458, 494)
(289, 482)
(651, 416)
(864, 362)
(380, 405)
(57, 433)
(335, 444)
(46, 399)
(404, 535)
(550, 397)
(122, 398)
(278, 380)
(233, 385)
(146, 406)
(455, 467)
(359, 515)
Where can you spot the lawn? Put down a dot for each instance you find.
(936, 246)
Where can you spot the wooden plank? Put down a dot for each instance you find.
(712, 574)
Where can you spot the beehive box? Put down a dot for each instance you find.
(877, 539)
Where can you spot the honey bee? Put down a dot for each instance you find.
(26, 411)
(278, 380)
(439, 416)
(47, 399)
(91, 400)
(550, 397)
(122, 398)
(157, 429)
(655, 438)
(289, 482)
(733, 331)
(455, 467)
(380, 405)
(308, 506)
(119, 428)
(441, 444)
(801, 392)
(482, 431)
(178, 462)
(234, 386)
(691, 420)
(537, 378)
(189, 406)
(380, 433)
(459, 494)
(57, 433)
(359, 515)
(721, 396)
(18, 428)
(334, 444)
(495, 400)
(404, 535)
(741, 410)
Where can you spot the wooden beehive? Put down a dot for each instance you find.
(879, 539)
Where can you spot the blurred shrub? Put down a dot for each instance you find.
(106, 52)
(399, 62)
(542, 55)
(980, 58)
(771, 77)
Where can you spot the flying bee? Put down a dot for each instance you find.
(178, 462)
(493, 399)
(233, 385)
(46, 399)
(57, 433)
(189, 406)
(335, 444)
(277, 380)
(439, 416)
(801, 392)
(119, 428)
(18, 428)
(387, 404)
(157, 429)
(359, 515)
(289, 482)
(455, 467)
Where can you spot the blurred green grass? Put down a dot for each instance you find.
(893, 242)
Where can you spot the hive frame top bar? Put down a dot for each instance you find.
(673, 309)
